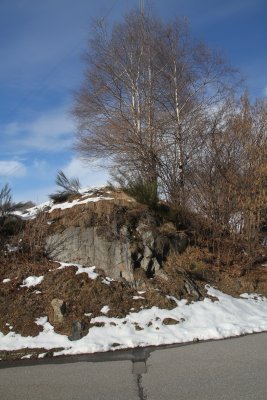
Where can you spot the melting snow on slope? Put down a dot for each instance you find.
(49, 206)
(32, 281)
(201, 320)
(90, 271)
(76, 202)
(32, 212)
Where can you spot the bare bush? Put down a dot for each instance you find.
(7, 206)
(69, 186)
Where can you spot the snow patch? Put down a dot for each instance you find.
(105, 309)
(12, 249)
(32, 212)
(32, 281)
(90, 271)
(253, 296)
(26, 356)
(49, 206)
(107, 280)
(67, 204)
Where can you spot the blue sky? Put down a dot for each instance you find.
(41, 44)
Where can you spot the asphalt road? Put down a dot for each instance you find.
(221, 370)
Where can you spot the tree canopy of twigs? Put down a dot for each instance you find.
(166, 110)
(144, 100)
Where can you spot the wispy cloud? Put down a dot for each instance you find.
(12, 169)
(50, 131)
(88, 174)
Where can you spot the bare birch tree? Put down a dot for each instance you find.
(144, 101)
(195, 80)
(116, 107)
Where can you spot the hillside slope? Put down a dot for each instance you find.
(101, 272)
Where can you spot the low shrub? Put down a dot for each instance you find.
(69, 187)
(143, 192)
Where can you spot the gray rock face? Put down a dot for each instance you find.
(144, 247)
(85, 246)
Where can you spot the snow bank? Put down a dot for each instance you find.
(224, 317)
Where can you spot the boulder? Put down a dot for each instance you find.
(76, 331)
(59, 309)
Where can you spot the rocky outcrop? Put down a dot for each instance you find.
(116, 237)
(85, 246)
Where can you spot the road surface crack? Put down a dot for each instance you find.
(141, 392)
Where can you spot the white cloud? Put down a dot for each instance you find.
(88, 174)
(12, 169)
(265, 91)
(52, 131)
(40, 165)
